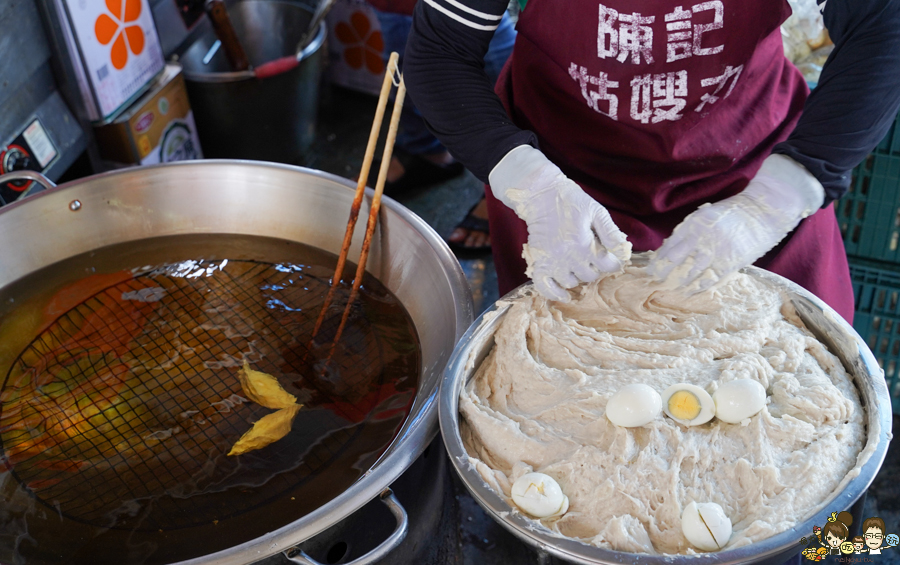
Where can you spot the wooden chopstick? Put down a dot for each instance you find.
(360, 188)
(374, 209)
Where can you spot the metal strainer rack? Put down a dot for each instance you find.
(123, 408)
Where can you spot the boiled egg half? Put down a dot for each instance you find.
(706, 526)
(539, 495)
(688, 404)
(738, 400)
(633, 405)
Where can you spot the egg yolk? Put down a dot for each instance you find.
(684, 405)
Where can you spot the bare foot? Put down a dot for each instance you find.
(396, 169)
(442, 158)
(473, 238)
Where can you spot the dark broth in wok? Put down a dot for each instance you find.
(120, 397)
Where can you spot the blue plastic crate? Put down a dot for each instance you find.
(877, 318)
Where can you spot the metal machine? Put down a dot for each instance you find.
(44, 123)
(38, 130)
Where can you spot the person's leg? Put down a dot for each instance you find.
(413, 138)
(500, 48)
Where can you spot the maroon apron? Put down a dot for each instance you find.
(655, 108)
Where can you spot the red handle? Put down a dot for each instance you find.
(276, 67)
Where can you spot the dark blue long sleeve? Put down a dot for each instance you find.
(858, 94)
(444, 72)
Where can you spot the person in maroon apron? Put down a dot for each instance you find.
(669, 121)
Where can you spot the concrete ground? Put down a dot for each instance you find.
(344, 122)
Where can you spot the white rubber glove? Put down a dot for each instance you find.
(571, 237)
(718, 239)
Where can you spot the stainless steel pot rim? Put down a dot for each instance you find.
(462, 366)
(417, 432)
(234, 76)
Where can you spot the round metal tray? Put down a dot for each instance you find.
(825, 323)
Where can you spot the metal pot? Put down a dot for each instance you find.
(278, 201)
(825, 323)
(241, 115)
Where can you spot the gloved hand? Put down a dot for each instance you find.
(571, 237)
(718, 239)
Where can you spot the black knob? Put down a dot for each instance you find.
(19, 162)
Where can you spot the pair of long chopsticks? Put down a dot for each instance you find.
(389, 78)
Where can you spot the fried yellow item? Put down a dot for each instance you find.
(268, 429)
(264, 389)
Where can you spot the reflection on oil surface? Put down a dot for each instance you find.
(121, 397)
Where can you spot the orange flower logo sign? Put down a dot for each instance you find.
(363, 46)
(113, 28)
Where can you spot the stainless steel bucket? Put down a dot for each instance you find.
(825, 323)
(277, 201)
(240, 116)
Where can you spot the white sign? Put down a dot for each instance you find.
(119, 47)
(40, 143)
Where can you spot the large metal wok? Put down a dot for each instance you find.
(263, 199)
(825, 323)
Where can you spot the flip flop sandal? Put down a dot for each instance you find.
(471, 223)
(418, 172)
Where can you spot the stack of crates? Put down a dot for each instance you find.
(869, 216)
